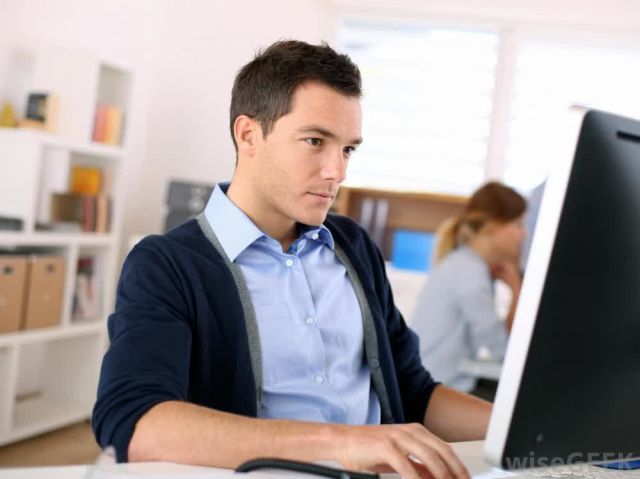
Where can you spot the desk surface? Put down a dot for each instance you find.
(481, 369)
(469, 452)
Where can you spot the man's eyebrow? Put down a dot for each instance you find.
(324, 132)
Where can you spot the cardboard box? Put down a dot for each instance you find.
(13, 280)
(45, 292)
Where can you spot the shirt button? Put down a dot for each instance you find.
(289, 262)
(310, 320)
(315, 236)
(319, 379)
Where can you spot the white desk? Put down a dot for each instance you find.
(469, 452)
(481, 369)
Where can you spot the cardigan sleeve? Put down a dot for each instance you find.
(415, 383)
(148, 359)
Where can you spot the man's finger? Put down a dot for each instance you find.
(444, 450)
(425, 454)
(401, 464)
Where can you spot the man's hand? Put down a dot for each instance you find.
(408, 449)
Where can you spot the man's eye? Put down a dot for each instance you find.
(348, 150)
(314, 141)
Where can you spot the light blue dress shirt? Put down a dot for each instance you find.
(309, 321)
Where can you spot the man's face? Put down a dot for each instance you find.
(299, 166)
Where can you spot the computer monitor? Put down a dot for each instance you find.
(570, 386)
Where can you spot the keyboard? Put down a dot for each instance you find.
(577, 472)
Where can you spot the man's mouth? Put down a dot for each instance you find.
(323, 195)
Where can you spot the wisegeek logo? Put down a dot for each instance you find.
(575, 462)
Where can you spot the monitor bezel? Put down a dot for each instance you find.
(532, 287)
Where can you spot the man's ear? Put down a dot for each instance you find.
(245, 132)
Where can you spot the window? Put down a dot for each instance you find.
(428, 95)
(548, 79)
(429, 99)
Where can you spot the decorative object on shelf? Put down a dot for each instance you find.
(86, 296)
(13, 277)
(8, 223)
(42, 112)
(7, 116)
(45, 289)
(108, 124)
(85, 180)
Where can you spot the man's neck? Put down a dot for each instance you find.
(281, 229)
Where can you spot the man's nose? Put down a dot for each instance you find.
(335, 167)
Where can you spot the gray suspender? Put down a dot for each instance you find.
(370, 338)
(247, 307)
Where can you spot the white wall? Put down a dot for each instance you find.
(200, 49)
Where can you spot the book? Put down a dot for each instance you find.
(86, 296)
(66, 208)
(100, 123)
(108, 122)
(92, 213)
(85, 180)
(88, 213)
(113, 125)
(103, 214)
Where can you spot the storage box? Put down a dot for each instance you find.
(13, 279)
(45, 291)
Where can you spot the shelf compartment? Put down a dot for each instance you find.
(75, 192)
(92, 291)
(114, 91)
(57, 380)
(7, 374)
(39, 414)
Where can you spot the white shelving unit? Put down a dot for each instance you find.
(49, 376)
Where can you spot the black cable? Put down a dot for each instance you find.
(304, 467)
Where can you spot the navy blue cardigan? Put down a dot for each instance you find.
(178, 333)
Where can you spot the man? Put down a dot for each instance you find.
(266, 328)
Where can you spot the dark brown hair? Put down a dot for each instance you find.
(492, 202)
(263, 88)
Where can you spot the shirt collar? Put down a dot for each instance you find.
(235, 230)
